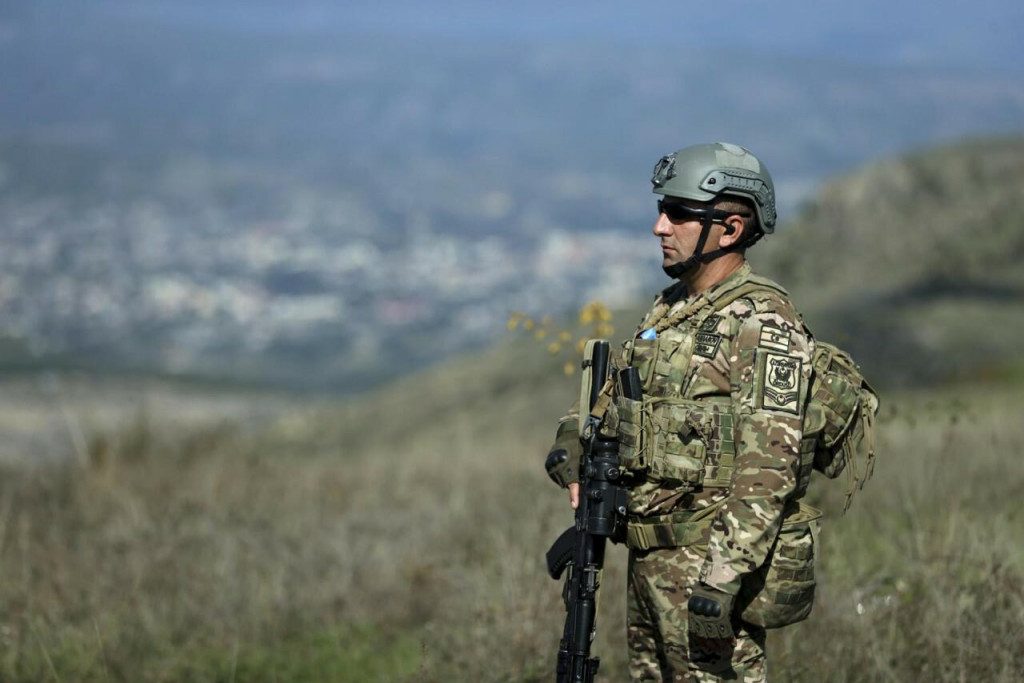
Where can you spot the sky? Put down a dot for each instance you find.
(949, 33)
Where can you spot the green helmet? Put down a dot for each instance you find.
(704, 173)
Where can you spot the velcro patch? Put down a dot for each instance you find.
(781, 383)
(774, 338)
(710, 323)
(706, 344)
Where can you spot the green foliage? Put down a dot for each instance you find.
(925, 579)
(402, 538)
(363, 653)
(915, 261)
(343, 653)
(568, 342)
(949, 215)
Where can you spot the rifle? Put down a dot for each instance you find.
(601, 515)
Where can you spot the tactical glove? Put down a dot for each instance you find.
(563, 462)
(710, 613)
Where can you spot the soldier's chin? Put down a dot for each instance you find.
(677, 270)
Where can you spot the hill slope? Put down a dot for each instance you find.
(914, 263)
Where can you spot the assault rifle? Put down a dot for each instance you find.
(601, 515)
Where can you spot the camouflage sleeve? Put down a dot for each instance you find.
(572, 415)
(769, 376)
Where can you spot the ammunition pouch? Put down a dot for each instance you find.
(633, 451)
(781, 591)
(682, 442)
(644, 356)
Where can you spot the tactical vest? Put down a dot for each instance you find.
(689, 444)
(679, 441)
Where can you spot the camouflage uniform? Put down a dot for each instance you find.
(745, 370)
(715, 446)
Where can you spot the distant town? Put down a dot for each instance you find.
(306, 298)
(291, 207)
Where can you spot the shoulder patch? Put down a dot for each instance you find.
(780, 383)
(774, 338)
(710, 324)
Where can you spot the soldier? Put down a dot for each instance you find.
(714, 449)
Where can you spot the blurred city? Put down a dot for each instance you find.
(309, 198)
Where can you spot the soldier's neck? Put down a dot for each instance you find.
(710, 274)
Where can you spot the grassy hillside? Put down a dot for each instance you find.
(401, 536)
(914, 263)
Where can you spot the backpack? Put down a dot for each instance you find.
(840, 416)
(838, 436)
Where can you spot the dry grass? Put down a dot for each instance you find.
(401, 540)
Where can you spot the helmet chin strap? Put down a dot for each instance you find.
(677, 270)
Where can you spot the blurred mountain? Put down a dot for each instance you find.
(432, 122)
(914, 262)
(871, 264)
(296, 199)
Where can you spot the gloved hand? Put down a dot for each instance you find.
(710, 613)
(563, 461)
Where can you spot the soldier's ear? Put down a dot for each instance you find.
(735, 227)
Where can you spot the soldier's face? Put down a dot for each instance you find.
(679, 236)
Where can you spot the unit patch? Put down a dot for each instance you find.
(774, 338)
(710, 324)
(781, 383)
(706, 344)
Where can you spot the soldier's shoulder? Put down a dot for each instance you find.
(765, 302)
(770, 301)
(768, 296)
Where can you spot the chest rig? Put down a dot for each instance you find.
(669, 437)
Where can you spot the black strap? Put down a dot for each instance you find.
(677, 270)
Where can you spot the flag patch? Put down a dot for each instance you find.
(774, 338)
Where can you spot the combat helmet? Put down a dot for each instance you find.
(704, 173)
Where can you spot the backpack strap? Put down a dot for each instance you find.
(704, 307)
(753, 284)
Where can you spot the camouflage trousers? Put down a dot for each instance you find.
(660, 581)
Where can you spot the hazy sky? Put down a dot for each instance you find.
(959, 33)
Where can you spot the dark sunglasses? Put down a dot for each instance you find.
(677, 213)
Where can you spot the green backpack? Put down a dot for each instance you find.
(838, 436)
(841, 415)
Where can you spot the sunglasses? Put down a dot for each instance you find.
(678, 213)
